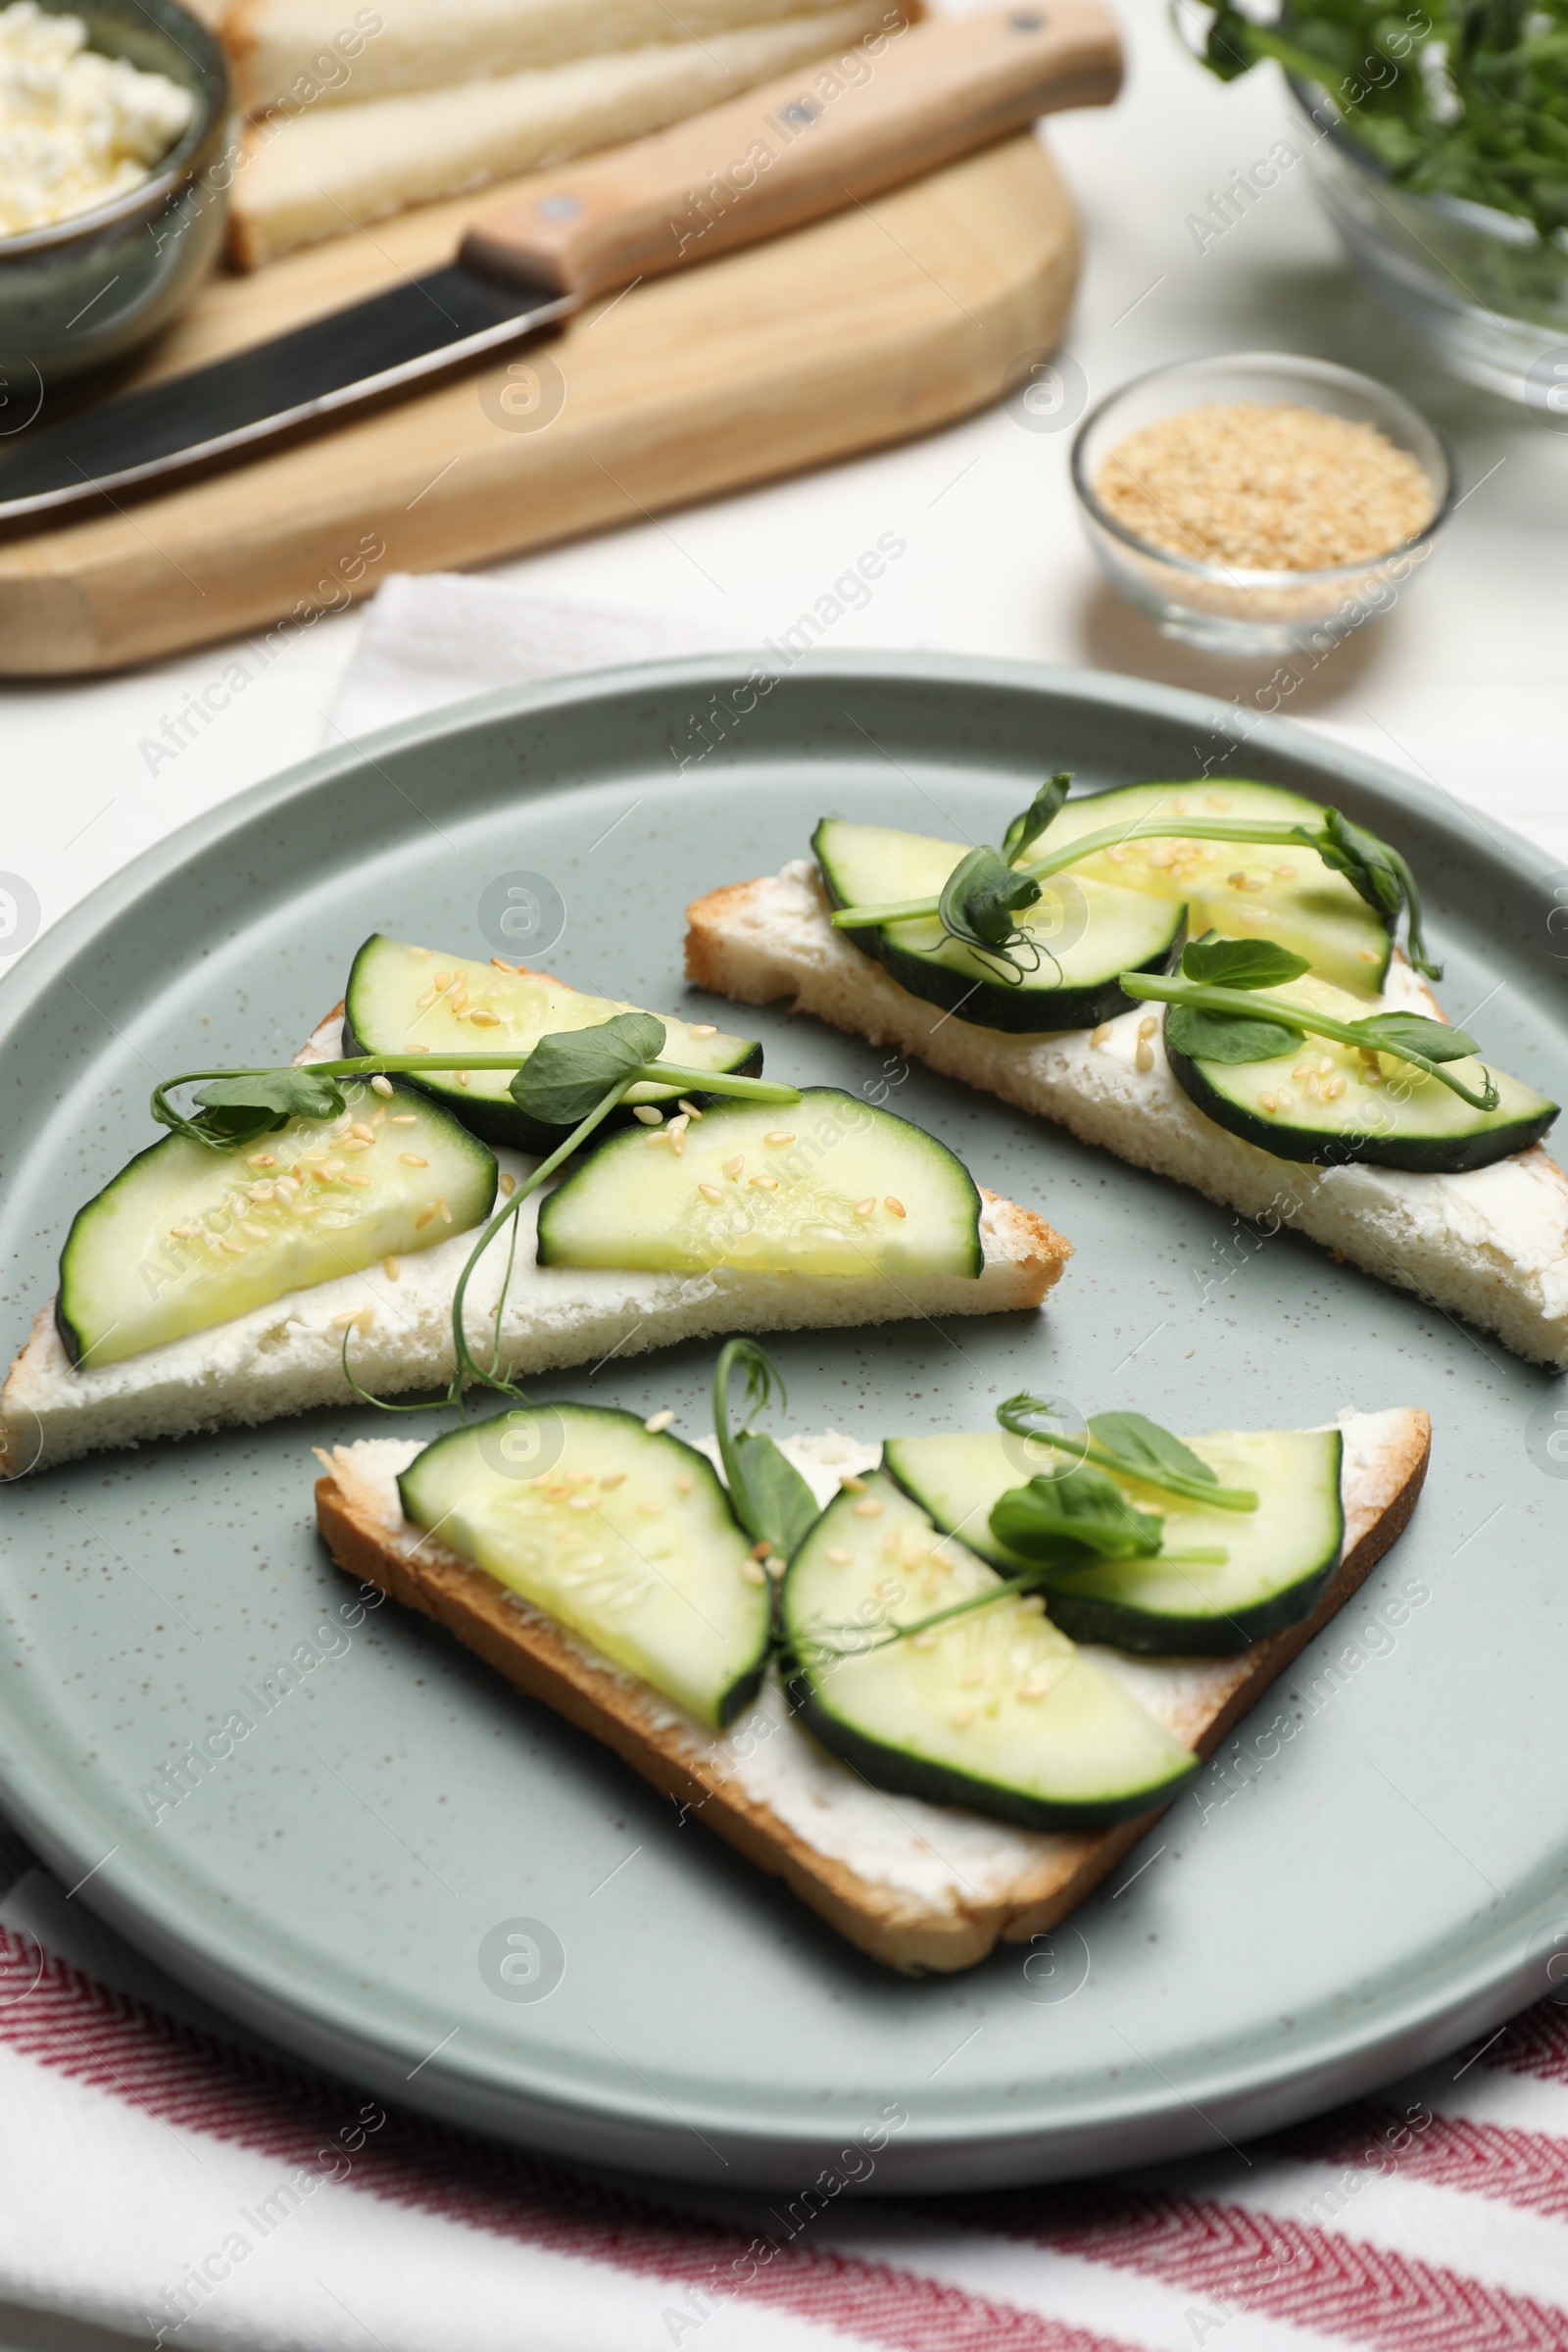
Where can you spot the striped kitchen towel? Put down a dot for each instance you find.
(163, 2176)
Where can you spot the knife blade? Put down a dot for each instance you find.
(899, 103)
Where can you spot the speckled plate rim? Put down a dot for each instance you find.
(1465, 1995)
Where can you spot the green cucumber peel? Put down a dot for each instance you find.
(1375, 872)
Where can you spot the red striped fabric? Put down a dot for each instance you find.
(1314, 2277)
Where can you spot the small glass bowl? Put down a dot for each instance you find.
(1218, 607)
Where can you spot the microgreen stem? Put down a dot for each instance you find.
(1163, 1481)
(1153, 988)
(371, 1065)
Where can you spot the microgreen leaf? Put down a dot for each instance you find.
(1241, 963)
(1225, 1036)
(979, 898)
(767, 1493)
(1147, 1449)
(243, 1105)
(1376, 872)
(571, 1069)
(1404, 1033)
(1081, 1508)
(1042, 812)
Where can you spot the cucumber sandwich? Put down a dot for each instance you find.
(785, 1653)
(370, 1219)
(1213, 981)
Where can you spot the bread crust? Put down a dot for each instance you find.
(544, 1663)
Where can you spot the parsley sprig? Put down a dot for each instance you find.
(988, 888)
(1215, 1017)
(571, 1078)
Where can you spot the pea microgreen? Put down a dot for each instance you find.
(767, 1493)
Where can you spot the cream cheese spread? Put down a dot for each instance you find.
(77, 127)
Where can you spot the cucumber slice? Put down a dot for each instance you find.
(1323, 1102)
(997, 1709)
(804, 1190)
(185, 1237)
(1281, 1555)
(1076, 983)
(389, 1009)
(1287, 895)
(622, 1535)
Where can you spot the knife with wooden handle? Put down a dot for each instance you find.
(899, 103)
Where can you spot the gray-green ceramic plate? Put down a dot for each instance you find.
(1328, 1908)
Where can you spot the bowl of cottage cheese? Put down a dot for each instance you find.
(115, 163)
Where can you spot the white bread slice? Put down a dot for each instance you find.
(312, 175)
(1491, 1246)
(915, 1884)
(287, 1357)
(298, 53)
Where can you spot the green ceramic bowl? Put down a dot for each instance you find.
(86, 290)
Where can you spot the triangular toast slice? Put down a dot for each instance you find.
(286, 1358)
(1491, 1246)
(915, 1884)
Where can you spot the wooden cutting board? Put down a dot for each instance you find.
(877, 323)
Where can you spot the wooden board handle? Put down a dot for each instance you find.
(899, 103)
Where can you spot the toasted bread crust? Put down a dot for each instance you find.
(540, 1661)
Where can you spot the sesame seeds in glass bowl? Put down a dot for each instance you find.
(1260, 503)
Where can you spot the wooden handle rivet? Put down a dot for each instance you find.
(559, 208)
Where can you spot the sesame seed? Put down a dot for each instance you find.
(754, 1572)
(423, 1217)
(508, 1184)
(1284, 873)
(261, 1193)
(678, 1126)
(850, 1483)
(306, 1208)
(356, 1142)
(391, 1267)
(365, 1134)
(423, 1004)
(690, 1108)
(1101, 1036)
(1142, 1058)
(864, 1208)
(186, 1233)
(583, 1503)
(649, 1115)
(345, 1322)
(261, 1160)
(870, 1508)
(702, 1029)
(404, 1119)
(760, 1552)
(354, 1176)
(711, 1192)
(441, 1203)
(1147, 1026)
(366, 1318)
(234, 1249)
(1334, 1089)
(462, 1077)
(1237, 881)
(411, 1159)
(419, 1048)
(839, 1557)
(612, 1478)
(925, 1641)
(420, 955)
(484, 1020)
(258, 1233)
(657, 1135)
(1268, 1102)
(659, 1421)
(443, 980)
(1266, 486)
(779, 1138)
(763, 1184)
(1369, 955)
(733, 1167)
(962, 1718)
(650, 1507)
(683, 1484)
(894, 1208)
(501, 964)
(459, 1001)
